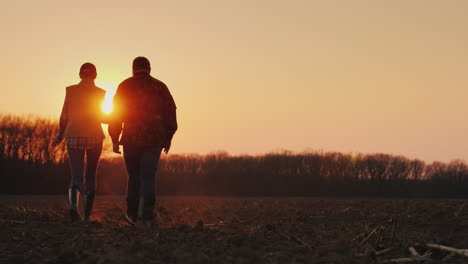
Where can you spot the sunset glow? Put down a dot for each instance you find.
(258, 76)
(107, 105)
(110, 87)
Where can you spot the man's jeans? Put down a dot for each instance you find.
(76, 157)
(141, 163)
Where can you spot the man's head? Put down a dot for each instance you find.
(141, 64)
(88, 71)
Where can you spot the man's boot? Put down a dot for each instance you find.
(132, 210)
(73, 196)
(88, 206)
(147, 210)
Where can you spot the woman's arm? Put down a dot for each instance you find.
(63, 118)
(62, 122)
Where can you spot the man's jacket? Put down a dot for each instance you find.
(144, 112)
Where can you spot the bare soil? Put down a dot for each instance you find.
(37, 229)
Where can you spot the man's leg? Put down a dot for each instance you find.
(149, 165)
(92, 161)
(132, 157)
(76, 158)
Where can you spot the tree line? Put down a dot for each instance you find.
(29, 165)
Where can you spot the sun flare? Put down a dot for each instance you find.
(110, 87)
(107, 105)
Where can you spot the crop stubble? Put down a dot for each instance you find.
(36, 229)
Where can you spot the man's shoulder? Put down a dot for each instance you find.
(125, 85)
(157, 81)
(136, 81)
(127, 81)
(159, 85)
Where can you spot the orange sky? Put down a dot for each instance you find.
(256, 76)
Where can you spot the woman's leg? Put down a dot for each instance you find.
(92, 161)
(76, 158)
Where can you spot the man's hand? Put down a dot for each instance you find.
(116, 148)
(167, 147)
(56, 141)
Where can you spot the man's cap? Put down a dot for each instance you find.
(141, 64)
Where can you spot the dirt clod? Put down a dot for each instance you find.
(36, 229)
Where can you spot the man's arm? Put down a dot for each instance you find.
(170, 117)
(116, 119)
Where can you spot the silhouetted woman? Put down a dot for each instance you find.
(80, 125)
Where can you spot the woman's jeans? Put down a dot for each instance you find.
(141, 163)
(76, 157)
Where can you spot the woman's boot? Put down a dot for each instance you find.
(73, 196)
(88, 206)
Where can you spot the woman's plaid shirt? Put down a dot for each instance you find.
(83, 142)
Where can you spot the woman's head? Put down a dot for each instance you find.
(88, 71)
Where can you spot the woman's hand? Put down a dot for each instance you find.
(56, 141)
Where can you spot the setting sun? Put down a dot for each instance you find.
(107, 104)
(110, 87)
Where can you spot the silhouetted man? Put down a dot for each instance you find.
(146, 109)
